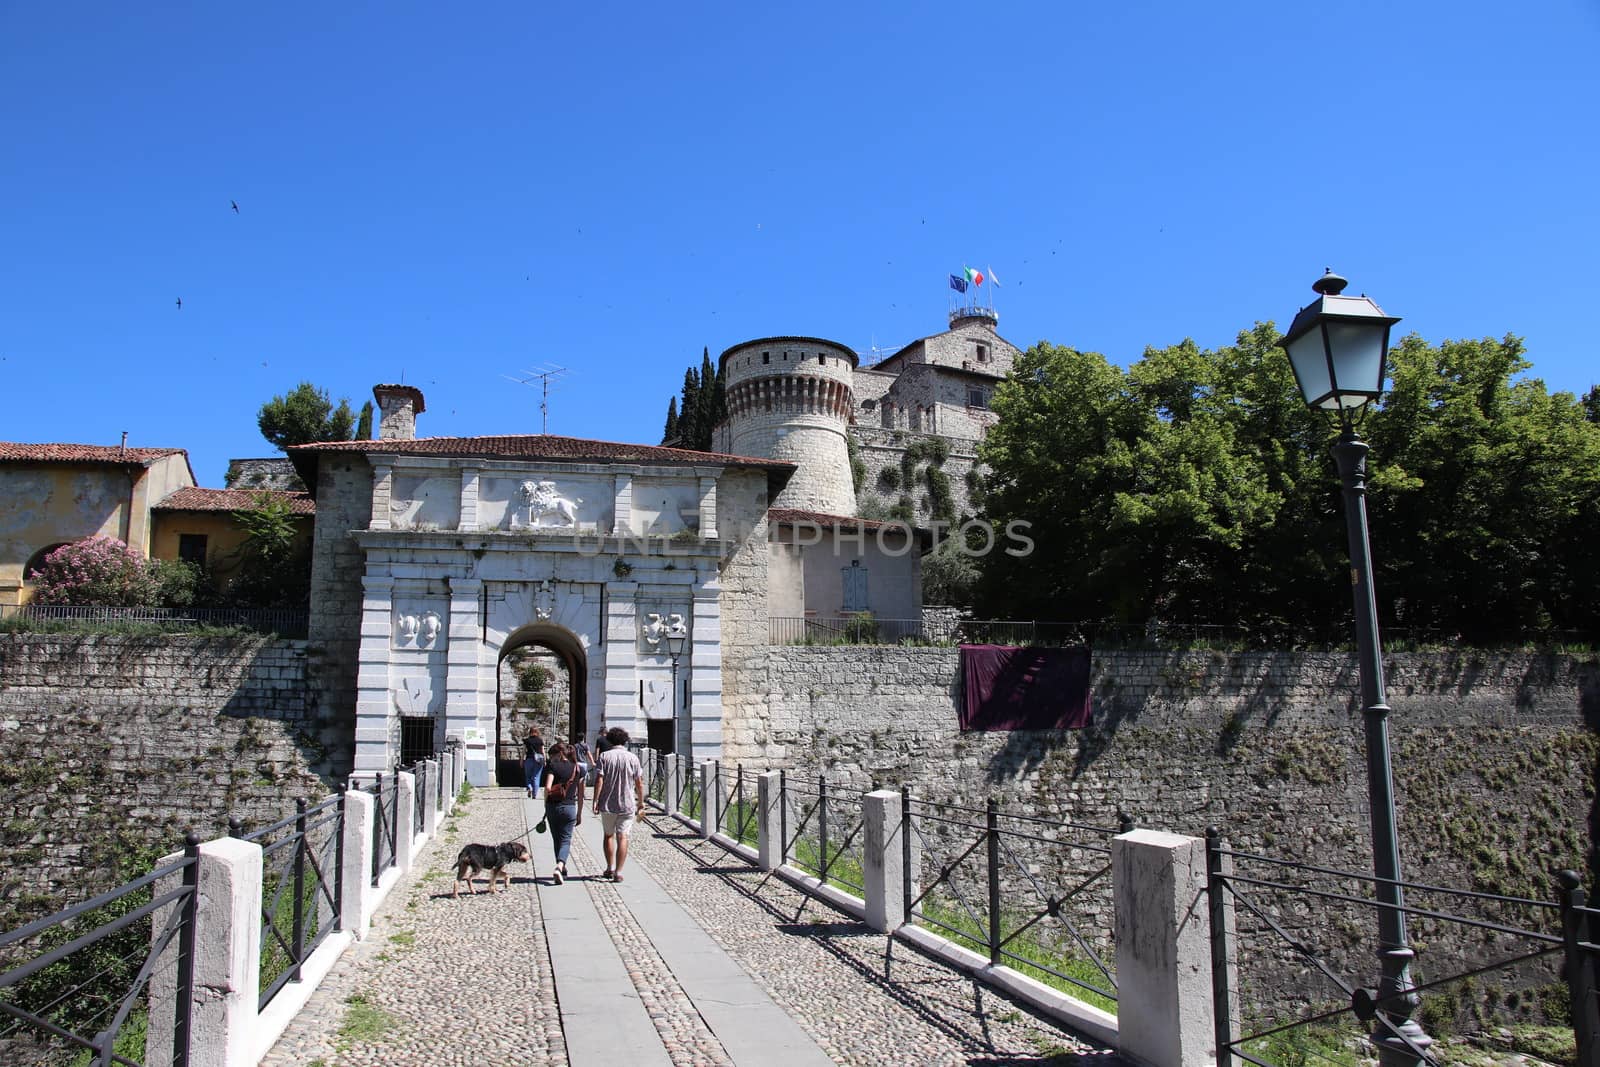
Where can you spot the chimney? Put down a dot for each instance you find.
(399, 406)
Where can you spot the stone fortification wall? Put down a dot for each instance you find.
(111, 746)
(1495, 767)
(272, 473)
(881, 450)
(344, 504)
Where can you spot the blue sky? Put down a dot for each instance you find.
(451, 194)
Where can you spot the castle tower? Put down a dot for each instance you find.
(790, 398)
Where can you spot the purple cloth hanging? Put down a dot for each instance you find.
(1005, 688)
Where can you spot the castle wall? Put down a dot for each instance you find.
(344, 505)
(880, 450)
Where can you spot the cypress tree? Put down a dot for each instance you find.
(689, 410)
(670, 435)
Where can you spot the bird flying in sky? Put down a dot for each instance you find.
(235, 204)
(180, 303)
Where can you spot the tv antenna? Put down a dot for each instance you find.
(541, 379)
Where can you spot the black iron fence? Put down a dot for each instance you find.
(385, 824)
(77, 987)
(301, 887)
(1021, 888)
(821, 829)
(1280, 926)
(862, 629)
(283, 622)
(736, 811)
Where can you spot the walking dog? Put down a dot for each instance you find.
(492, 858)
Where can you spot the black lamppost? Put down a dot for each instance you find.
(676, 636)
(1338, 346)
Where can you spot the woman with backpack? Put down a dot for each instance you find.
(563, 802)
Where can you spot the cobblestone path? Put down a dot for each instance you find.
(469, 981)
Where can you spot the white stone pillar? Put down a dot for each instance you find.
(884, 835)
(374, 702)
(227, 959)
(622, 506)
(769, 821)
(622, 658)
(467, 520)
(355, 886)
(708, 507)
(462, 705)
(405, 837)
(704, 665)
(674, 782)
(382, 486)
(1163, 948)
(706, 772)
(430, 797)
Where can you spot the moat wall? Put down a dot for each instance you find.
(112, 746)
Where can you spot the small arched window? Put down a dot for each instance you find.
(36, 561)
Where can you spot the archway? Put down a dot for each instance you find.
(530, 690)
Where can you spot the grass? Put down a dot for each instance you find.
(741, 813)
(15, 624)
(363, 1021)
(407, 938)
(129, 1042)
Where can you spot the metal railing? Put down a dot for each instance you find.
(1027, 918)
(736, 814)
(862, 629)
(302, 875)
(821, 828)
(385, 824)
(1580, 925)
(656, 777)
(281, 621)
(76, 996)
(688, 800)
(1280, 925)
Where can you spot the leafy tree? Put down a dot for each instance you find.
(1591, 404)
(305, 415)
(1196, 486)
(364, 423)
(949, 577)
(274, 565)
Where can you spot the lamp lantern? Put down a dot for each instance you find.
(1339, 348)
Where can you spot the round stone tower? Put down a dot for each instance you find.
(790, 398)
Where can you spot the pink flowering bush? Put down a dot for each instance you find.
(99, 571)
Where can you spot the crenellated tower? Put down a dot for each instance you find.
(791, 398)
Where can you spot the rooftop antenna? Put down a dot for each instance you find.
(541, 378)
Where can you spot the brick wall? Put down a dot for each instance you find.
(111, 746)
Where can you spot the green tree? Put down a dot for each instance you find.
(304, 415)
(669, 436)
(364, 423)
(274, 563)
(1591, 404)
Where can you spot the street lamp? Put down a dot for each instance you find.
(1338, 346)
(677, 634)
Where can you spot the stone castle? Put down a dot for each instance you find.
(868, 440)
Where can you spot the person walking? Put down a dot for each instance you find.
(563, 802)
(618, 796)
(585, 759)
(532, 761)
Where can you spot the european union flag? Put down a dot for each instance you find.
(958, 283)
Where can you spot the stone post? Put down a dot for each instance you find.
(674, 782)
(430, 798)
(227, 959)
(374, 702)
(1163, 948)
(708, 800)
(884, 859)
(705, 672)
(769, 821)
(405, 836)
(356, 879)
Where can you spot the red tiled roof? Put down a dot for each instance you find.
(823, 519)
(193, 498)
(538, 446)
(58, 453)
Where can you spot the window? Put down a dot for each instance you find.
(192, 549)
(821, 359)
(854, 580)
(766, 357)
(982, 352)
(868, 405)
(977, 398)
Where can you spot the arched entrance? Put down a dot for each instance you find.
(523, 697)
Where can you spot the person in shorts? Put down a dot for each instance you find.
(618, 797)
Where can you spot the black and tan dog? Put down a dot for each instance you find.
(492, 858)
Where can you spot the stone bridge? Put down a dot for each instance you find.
(709, 951)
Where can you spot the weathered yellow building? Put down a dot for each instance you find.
(54, 494)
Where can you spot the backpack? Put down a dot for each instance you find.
(557, 793)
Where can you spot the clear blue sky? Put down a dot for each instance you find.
(453, 193)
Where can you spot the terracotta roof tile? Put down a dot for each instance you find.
(538, 446)
(61, 453)
(193, 498)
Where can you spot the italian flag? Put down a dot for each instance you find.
(974, 276)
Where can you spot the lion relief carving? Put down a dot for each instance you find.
(542, 505)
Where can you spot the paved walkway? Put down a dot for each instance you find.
(694, 959)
